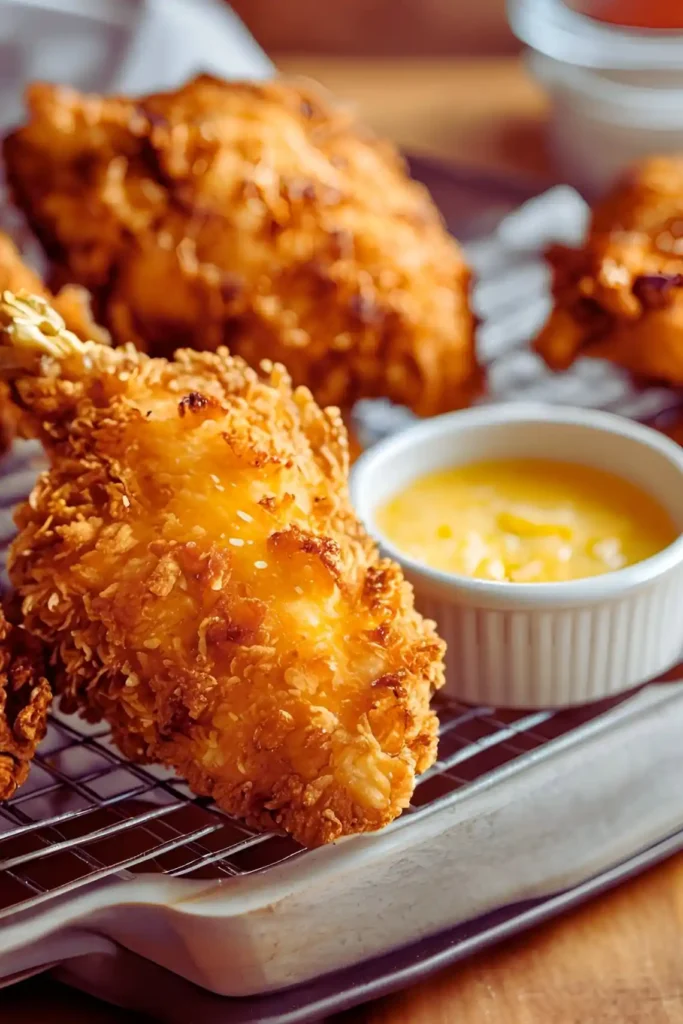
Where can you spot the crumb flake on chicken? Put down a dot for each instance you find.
(192, 557)
(25, 698)
(72, 303)
(257, 215)
(620, 296)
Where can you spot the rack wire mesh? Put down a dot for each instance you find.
(86, 813)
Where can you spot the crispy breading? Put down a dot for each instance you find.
(258, 216)
(25, 698)
(620, 297)
(72, 303)
(193, 557)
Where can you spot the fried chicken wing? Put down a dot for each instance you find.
(620, 297)
(25, 698)
(258, 216)
(72, 303)
(193, 557)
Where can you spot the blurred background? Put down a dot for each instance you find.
(442, 78)
(599, 85)
(379, 27)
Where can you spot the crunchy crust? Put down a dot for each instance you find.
(25, 698)
(255, 215)
(193, 557)
(72, 302)
(620, 297)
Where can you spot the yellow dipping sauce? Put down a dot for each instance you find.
(526, 521)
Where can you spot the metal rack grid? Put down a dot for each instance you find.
(86, 813)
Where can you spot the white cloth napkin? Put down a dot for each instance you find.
(128, 46)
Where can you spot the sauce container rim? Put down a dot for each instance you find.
(587, 590)
(552, 28)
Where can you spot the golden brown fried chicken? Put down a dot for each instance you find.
(72, 303)
(192, 555)
(620, 297)
(25, 698)
(258, 216)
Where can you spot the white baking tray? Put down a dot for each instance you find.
(544, 821)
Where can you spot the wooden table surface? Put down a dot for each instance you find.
(484, 112)
(619, 960)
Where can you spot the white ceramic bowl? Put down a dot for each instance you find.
(541, 644)
(602, 122)
(616, 93)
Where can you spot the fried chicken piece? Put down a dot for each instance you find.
(256, 215)
(620, 297)
(8, 419)
(25, 698)
(193, 556)
(72, 303)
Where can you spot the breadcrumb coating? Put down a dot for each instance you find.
(258, 216)
(72, 302)
(620, 297)
(25, 698)
(192, 556)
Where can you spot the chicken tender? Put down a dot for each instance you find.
(25, 698)
(256, 215)
(620, 297)
(192, 555)
(72, 303)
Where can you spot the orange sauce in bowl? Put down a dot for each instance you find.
(647, 14)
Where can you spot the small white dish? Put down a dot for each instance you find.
(616, 92)
(541, 644)
(603, 121)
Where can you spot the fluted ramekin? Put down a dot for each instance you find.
(541, 644)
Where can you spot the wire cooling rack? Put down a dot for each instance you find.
(86, 814)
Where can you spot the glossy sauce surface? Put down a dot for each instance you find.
(526, 521)
(647, 14)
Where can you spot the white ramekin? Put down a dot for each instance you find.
(616, 92)
(601, 124)
(541, 644)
